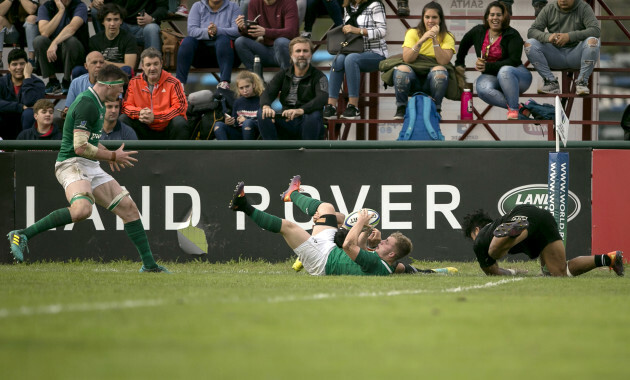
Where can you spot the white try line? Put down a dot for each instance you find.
(81, 307)
(392, 293)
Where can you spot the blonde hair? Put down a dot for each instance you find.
(403, 245)
(254, 79)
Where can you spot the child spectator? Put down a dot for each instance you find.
(242, 124)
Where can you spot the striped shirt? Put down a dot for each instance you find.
(373, 20)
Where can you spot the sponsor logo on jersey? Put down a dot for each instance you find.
(536, 195)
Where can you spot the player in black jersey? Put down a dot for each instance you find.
(533, 231)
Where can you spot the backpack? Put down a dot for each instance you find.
(170, 46)
(205, 108)
(539, 111)
(422, 121)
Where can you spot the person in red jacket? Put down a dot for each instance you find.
(155, 104)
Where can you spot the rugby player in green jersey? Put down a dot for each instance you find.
(328, 251)
(78, 171)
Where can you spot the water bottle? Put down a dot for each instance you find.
(467, 105)
(258, 67)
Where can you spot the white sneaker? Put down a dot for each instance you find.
(182, 10)
(581, 88)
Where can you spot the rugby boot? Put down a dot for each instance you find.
(18, 245)
(238, 199)
(297, 265)
(294, 185)
(616, 262)
(447, 270)
(158, 269)
(511, 229)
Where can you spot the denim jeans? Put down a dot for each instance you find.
(309, 126)
(315, 8)
(148, 35)
(503, 89)
(352, 65)
(545, 57)
(95, 22)
(13, 36)
(408, 83)
(205, 53)
(270, 56)
(249, 131)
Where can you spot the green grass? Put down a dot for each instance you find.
(264, 321)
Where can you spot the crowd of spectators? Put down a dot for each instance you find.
(226, 34)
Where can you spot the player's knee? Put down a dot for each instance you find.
(326, 208)
(80, 210)
(403, 68)
(592, 41)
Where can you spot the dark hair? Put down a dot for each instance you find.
(16, 54)
(443, 29)
(478, 218)
(111, 72)
(340, 236)
(112, 8)
(506, 15)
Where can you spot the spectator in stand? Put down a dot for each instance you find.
(499, 48)
(302, 90)
(426, 49)
(142, 21)
(538, 6)
(18, 22)
(210, 43)
(93, 63)
(19, 90)
(117, 45)
(63, 41)
(570, 42)
(155, 104)
(113, 128)
(43, 128)
(321, 7)
(243, 123)
(367, 18)
(277, 24)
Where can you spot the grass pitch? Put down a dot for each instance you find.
(86, 320)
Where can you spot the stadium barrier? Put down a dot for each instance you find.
(187, 185)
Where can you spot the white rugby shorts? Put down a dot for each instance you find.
(314, 252)
(81, 169)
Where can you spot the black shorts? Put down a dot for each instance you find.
(542, 230)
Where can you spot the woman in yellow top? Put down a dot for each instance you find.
(429, 40)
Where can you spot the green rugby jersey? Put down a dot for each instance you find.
(86, 113)
(367, 264)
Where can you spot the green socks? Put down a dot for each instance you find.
(56, 218)
(305, 203)
(137, 234)
(266, 221)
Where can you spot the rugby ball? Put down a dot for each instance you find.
(352, 218)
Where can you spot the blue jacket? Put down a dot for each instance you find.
(200, 16)
(31, 91)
